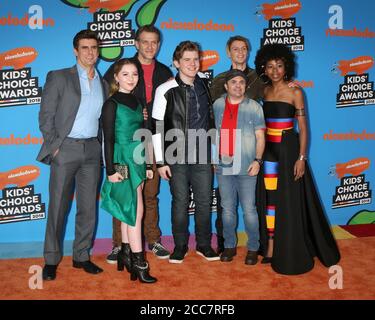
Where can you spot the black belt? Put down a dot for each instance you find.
(81, 140)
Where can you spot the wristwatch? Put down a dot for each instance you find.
(260, 161)
(302, 157)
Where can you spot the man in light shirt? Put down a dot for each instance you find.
(69, 121)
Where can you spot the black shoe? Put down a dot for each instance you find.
(159, 250)
(140, 269)
(178, 255)
(266, 260)
(251, 257)
(49, 272)
(228, 254)
(124, 258)
(112, 256)
(88, 266)
(208, 253)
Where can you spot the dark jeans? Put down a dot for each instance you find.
(199, 176)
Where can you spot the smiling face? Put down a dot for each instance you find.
(275, 70)
(127, 78)
(87, 52)
(188, 66)
(236, 88)
(238, 52)
(147, 45)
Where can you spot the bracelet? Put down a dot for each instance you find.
(302, 157)
(260, 161)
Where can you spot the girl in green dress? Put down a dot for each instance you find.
(121, 117)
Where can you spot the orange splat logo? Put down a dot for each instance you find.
(353, 167)
(208, 58)
(284, 9)
(20, 176)
(110, 5)
(17, 58)
(357, 65)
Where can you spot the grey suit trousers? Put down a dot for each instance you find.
(77, 162)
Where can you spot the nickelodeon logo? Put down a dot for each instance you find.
(196, 25)
(32, 19)
(208, 58)
(12, 140)
(364, 135)
(353, 167)
(357, 65)
(284, 9)
(18, 58)
(110, 5)
(20, 176)
(350, 33)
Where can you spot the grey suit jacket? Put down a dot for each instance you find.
(60, 102)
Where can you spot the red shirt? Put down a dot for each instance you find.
(228, 125)
(148, 71)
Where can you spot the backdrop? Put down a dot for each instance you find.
(333, 40)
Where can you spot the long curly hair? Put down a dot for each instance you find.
(275, 52)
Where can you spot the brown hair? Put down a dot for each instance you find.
(114, 87)
(238, 38)
(84, 34)
(185, 46)
(147, 28)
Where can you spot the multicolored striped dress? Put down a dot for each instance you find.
(279, 117)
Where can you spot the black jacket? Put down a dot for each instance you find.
(170, 106)
(161, 74)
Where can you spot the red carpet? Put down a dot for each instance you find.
(196, 278)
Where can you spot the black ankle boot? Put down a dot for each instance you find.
(124, 258)
(140, 269)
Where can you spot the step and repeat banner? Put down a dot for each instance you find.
(335, 46)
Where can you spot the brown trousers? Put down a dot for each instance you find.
(151, 213)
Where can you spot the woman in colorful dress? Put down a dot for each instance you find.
(294, 228)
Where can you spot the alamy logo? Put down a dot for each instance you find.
(33, 19)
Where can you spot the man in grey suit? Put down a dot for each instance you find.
(69, 121)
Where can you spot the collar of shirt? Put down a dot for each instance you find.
(82, 73)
